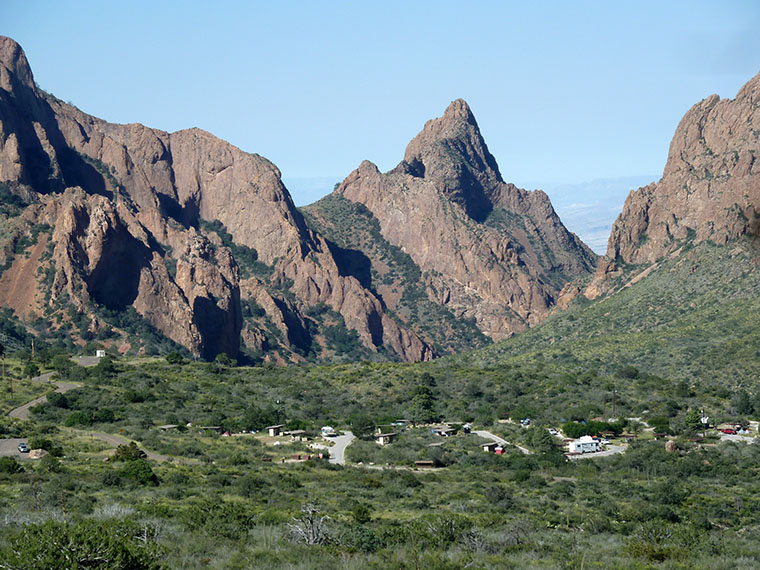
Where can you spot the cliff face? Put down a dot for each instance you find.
(130, 205)
(710, 188)
(486, 250)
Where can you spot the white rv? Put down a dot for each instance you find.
(586, 444)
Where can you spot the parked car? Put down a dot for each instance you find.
(553, 431)
(729, 431)
(23, 448)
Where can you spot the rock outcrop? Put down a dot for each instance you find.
(710, 188)
(487, 250)
(129, 203)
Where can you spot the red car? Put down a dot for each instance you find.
(729, 431)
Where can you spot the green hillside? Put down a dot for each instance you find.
(694, 318)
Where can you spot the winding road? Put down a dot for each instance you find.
(9, 447)
(22, 412)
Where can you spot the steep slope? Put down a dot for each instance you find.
(135, 204)
(486, 251)
(710, 188)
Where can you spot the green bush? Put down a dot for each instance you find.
(106, 545)
(139, 471)
(128, 453)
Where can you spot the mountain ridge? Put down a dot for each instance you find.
(488, 250)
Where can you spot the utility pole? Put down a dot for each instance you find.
(2, 354)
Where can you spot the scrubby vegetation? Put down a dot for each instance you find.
(244, 502)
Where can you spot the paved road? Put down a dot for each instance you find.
(86, 360)
(8, 447)
(338, 451)
(611, 450)
(22, 412)
(737, 437)
(496, 439)
(117, 440)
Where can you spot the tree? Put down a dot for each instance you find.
(174, 358)
(309, 528)
(362, 513)
(362, 426)
(128, 452)
(542, 441)
(31, 370)
(2, 355)
(421, 410)
(139, 470)
(742, 403)
(693, 421)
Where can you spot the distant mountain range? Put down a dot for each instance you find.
(140, 238)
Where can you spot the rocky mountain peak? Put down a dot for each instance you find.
(13, 63)
(451, 153)
(710, 186)
(165, 223)
(486, 250)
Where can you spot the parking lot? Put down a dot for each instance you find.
(9, 448)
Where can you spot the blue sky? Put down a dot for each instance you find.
(564, 92)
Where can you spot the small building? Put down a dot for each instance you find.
(168, 427)
(467, 428)
(384, 438)
(490, 447)
(100, 353)
(274, 431)
(328, 431)
(297, 435)
(628, 437)
(424, 464)
(443, 431)
(586, 444)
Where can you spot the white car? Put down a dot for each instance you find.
(553, 431)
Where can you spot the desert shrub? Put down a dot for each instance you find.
(139, 471)
(109, 544)
(128, 452)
